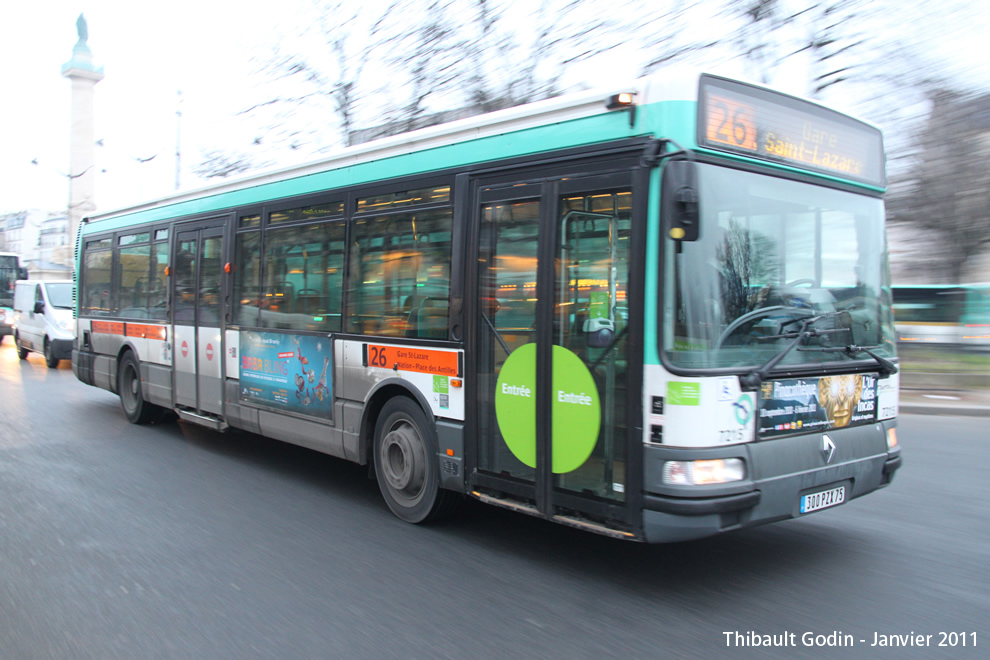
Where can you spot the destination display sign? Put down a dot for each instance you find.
(763, 124)
(817, 404)
(410, 358)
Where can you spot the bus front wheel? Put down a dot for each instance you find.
(405, 455)
(136, 409)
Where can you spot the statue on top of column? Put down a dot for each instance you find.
(82, 29)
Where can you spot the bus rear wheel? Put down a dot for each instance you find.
(405, 455)
(136, 409)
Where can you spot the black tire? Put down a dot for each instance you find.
(405, 455)
(136, 409)
(22, 353)
(50, 358)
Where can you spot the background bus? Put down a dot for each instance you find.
(654, 312)
(10, 272)
(943, 314)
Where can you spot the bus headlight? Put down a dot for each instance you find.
(703, 473)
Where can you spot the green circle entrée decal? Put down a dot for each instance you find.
(577, 414)
(576, 411)
(515, 403)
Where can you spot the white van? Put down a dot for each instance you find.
(43, 319)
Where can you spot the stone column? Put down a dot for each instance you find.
(82, 171)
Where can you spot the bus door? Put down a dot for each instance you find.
(551, 330)
(196, 296)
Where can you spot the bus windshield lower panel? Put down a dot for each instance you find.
(774, 259)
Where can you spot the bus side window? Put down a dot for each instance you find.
(400, 275)
(96, 279)
(134, 264)
(156, 287)
(246, 278)
(304, 272)
(428, 319)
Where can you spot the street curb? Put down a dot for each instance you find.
(942, 409)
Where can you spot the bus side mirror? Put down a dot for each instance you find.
(680, 202)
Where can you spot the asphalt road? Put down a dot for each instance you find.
(173, 541)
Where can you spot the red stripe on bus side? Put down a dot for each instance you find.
(107, 327)
(129, 329)
(145, 331)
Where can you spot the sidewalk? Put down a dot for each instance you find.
(969, 403)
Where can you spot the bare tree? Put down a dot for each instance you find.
(494, 54)
(666, 34)
(512, 56)
(944, 200)
(485, 48)
(221, 164)
(326, 62)
(759, 38)
(566, 33)
(423, 58)
(829, 34)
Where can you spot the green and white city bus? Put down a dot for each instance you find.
(656, 312)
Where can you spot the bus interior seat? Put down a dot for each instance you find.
(429, 319)
(279, 297)
(410, 308)
(309, 301)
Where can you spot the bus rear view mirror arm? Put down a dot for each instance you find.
(680, 200)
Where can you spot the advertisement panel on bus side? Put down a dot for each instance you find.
(287, 372)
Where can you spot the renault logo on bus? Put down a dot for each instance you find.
(828, 449)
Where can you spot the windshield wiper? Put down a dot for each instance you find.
(753, 379)
(887, 367)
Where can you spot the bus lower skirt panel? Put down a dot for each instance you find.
(157, 387)
(82, 366)
(316, 435)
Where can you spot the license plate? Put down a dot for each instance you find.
(823, 500)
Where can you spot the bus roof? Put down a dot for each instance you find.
(500, 123)
(512, 132)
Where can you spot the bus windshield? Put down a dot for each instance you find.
(776, 259)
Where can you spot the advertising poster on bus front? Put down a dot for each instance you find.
(287, 372)
(817, 404)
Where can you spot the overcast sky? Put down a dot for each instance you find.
(150, 51)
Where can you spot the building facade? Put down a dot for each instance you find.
(41, 239)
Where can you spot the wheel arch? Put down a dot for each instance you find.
(379, 395)
(126, 347)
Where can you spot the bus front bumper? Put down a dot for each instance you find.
(779, 473)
